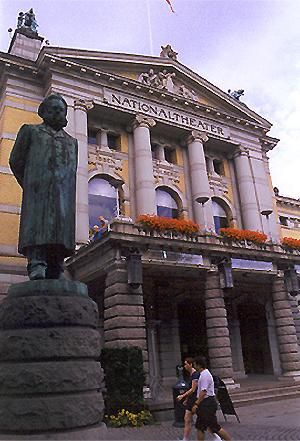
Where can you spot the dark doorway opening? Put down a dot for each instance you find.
(192, 329)
(255, 339)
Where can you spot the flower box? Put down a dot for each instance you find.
(290, 243)
(244, 235)
(167, 225)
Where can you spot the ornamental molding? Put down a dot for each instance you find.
(165, 174)
(195, 136)
(143, 121)
(83, 104)
(104, 163)
(218, 185)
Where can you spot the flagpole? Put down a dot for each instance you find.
(149, 27)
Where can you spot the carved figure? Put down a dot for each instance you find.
(187, 93)
(150, 79)
(30, 21)
(44, 162)
(20, 20)
(165, 80)
(168, 52)
(236, 93)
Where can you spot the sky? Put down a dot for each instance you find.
(235, 44)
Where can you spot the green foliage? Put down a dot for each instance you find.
(124, 379)
(126, 418)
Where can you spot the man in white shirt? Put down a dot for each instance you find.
(206, 406)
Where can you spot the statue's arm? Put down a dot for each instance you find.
(18, 156)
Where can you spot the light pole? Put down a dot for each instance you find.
(267, 214)
(202, 200)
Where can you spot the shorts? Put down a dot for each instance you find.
(191, 401)
(206, 415)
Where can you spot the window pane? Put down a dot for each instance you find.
(166, 205)
(92, 136)
(218, 210)
(102, 200)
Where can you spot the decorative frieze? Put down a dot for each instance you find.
(165, 173)
(105, 162)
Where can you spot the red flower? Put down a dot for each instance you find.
(159, 223)
(290, 242)
(252, 236)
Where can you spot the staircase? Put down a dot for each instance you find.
(264, 391)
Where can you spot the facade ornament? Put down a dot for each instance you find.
(143, 121)
(27, 22)
(83, 104)
(162, 80)
(236, 93)
(168, 52)
(195, 135)
(187, 93)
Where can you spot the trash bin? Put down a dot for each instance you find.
(179, 388)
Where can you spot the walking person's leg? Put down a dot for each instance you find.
(188, 419)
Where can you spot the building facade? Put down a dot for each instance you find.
(156, 138)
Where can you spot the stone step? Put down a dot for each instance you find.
(246, 401)
(260, 392)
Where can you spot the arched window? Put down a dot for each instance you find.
(220, 216)
(103, 200)
(166, 204)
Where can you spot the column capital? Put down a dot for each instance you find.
(143, 121)
(83, 104)
(195, 135)
(240, 151)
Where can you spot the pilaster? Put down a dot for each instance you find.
(144, 179)
(218, 340)
(286, 331)
(124, 315)
(81, 134)
(199, 179)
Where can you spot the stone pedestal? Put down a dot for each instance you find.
(50, 379)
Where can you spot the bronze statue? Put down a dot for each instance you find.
(44, 162)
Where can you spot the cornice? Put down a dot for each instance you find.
(155, 61)
(114, 81)
(284, 200)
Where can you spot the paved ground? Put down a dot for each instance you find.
(279, 420)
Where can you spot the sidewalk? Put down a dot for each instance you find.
(269, 421)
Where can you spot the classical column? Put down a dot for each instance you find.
(236, 345)
(124, 315)
(103, 140)
(199, 179)
(248, 197)
(286, 331)
(218, 341)
(82, 205)
(144, 179)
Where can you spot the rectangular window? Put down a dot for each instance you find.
(283, 221)
(114, 141)
(218, 167)
(92, 136)
(170, 155)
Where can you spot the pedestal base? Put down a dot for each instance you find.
(50, 379)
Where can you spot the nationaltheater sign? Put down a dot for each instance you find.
(164, 113)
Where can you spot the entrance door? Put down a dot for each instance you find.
(192, 329)
(254, 337)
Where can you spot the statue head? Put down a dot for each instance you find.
(53, 110)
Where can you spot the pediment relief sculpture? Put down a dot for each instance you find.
(165, 80)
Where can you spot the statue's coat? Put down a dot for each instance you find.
(44, 162)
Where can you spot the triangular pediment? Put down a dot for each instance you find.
(162, 74)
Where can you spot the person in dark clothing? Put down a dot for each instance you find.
(189, 397)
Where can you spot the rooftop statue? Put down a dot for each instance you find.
(44, 162)
(27, 21)
(168, 52)
(236, 93)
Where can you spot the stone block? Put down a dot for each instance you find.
(216, 312)
(46, 412)
(32, 344)
(281, 313)
(287, 339)
(140, 343)
(124, 322)
(49, 377)
(223, 372)
(286, 330)
(213, 294)
(219, 352)
(124, 310)
(217, 332)
(220, 362)
(281, 304)
(290, 366)
(290, 356)
(279, 296)
(119, 275)
(26, 312)
(217, 342)
(49, 287)
(125, 334)
(123, 299)
(116, 288)
(215, 303)
(284, 321)
(216, 322)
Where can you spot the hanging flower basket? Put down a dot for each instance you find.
(290, 243)
(244, 235)
(166, 224)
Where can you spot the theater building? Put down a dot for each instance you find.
(156, 138)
